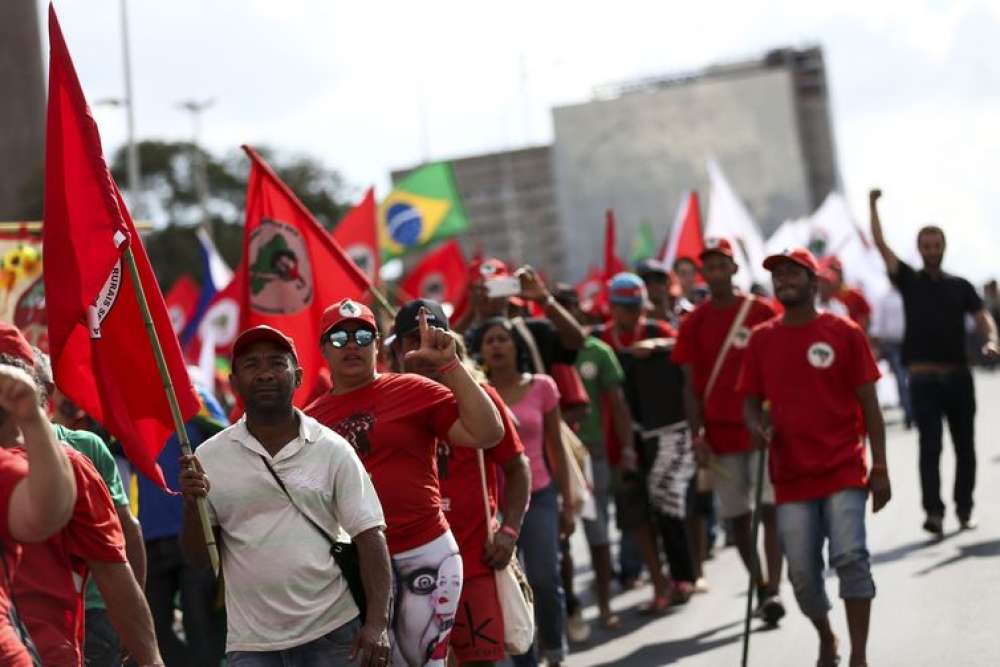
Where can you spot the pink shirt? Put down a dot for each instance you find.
(542, 397)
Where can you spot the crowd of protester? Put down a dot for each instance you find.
(449, 447)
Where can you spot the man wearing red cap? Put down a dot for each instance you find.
(49, 595)
(37, 486)
(817, 372)
(394, 422)
(710, 345)
(840, 299)
(281, 488)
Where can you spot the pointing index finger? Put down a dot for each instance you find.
(422, 322)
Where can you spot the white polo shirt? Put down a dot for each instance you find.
(283, 587)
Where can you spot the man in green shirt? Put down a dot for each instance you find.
(602, 377)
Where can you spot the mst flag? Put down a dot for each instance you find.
(292, 269)
(357, 235)
(181, 301)
(423, 207)
(102, 359)
(442, 275)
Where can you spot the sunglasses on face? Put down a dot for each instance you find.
(339, 338)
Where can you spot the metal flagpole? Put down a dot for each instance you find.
(175, 409)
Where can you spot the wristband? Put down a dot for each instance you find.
(450, 366)
(507, 530)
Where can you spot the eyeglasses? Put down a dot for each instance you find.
(339, 338)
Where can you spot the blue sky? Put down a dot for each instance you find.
(915, 85)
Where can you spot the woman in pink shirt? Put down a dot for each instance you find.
(534, 400)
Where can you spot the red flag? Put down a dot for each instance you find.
(442, 275)
(181, 301)
(221, 323)
(292, 269)
(612, 263)
(357, 235)
(593, 293)
(685, 240)
(101, 356)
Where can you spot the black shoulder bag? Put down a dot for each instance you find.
(344, 553)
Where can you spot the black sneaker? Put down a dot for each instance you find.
(934, 524)
(772, 610)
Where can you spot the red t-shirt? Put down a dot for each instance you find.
(699, 341)
(462, 489)
(49, 589)
(12, 470)
(646, 328)
(810, 374)
(858, 308)
(394, 424)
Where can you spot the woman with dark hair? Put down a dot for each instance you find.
(534, 400)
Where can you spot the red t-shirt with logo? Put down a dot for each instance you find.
(810, 374)
(394, 424)
(49, 587)
(699, 341)
(12, 470)
(462, 488)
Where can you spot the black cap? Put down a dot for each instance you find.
(565, 293)
(652, 267)
(407, 318)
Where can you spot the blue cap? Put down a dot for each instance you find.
(627, 289)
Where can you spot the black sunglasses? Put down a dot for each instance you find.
(339, 338)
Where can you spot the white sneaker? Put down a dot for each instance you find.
(577, 629)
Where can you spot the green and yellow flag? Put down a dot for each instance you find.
(643, 245)
(422, 208)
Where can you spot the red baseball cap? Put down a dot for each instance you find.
(347, 310)
(258, 334)
(719, 245)
(13, 342)
(800, 256)
(492, 268)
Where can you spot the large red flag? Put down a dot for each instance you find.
(101, 356)
(592, 292)
(685, 240)
(181, 301)
(612, 263)
(292, 269)
(357, 235)
(442, 275)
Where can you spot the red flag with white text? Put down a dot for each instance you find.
(101, 357)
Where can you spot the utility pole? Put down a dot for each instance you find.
(132, 159)
(199, 172)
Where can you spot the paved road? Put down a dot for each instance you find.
(938, 602)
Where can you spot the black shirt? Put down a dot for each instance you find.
(935, 314)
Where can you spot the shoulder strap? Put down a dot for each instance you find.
(308, 518)
(741, 315)
(529, 340)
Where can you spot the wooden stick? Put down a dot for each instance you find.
(175, 408)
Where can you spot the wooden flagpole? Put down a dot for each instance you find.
(175, 408)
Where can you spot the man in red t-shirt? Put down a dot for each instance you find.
(710, 345)
(817, 372)
(477, 638)
(394, 422)
(840, 299)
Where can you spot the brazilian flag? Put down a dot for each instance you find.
(422, 208)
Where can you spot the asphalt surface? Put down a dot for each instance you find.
(938, 601)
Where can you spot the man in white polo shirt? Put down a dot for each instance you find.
(286, 599)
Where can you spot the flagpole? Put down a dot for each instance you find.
(175, 408)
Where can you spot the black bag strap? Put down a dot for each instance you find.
(319, 528)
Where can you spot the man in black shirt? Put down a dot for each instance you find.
(941, 386)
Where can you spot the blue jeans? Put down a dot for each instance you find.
(539, 547)
(802, 528)
(331, 650)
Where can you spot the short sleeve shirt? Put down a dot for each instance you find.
(394, 424)
(935, 309)
(13, 469)
(90, 445)
(541, 398)
(49, 591)
(282, 583)
(810, 375)
(699, 341)
(462, 490)
(600, 372)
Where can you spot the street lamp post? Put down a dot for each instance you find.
(199, 170)
(132, 162)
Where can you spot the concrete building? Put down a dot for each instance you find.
(22, 112)
(637, 147)
(510, 201)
